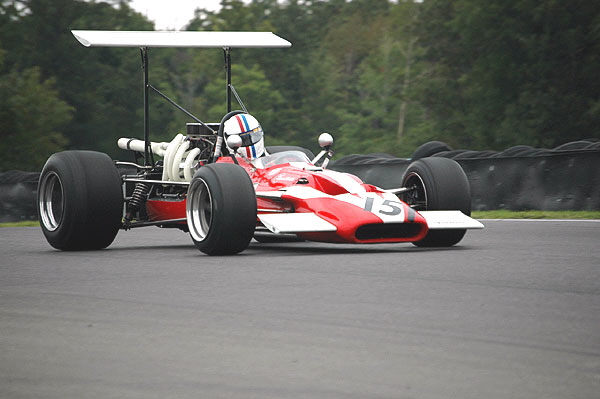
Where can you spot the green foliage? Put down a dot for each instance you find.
(31, 116)
(253, 88)
(519, 71)
(102, 85)
(381, 76)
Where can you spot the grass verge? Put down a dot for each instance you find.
(502, 214)
(29, 223)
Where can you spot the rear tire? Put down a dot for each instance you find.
(80, 200)
(221, 209)
(440, 184)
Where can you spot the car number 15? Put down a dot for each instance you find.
(386, 207)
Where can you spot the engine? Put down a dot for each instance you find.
(182, 156)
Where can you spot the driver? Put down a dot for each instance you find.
(247, 127)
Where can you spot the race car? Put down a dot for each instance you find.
(220, 183)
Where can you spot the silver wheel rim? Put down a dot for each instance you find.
(199, 209)
(52, 201)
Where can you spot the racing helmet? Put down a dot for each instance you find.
(249, 130)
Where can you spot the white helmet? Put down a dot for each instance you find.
(249, 130)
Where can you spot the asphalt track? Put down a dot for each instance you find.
(512, 312)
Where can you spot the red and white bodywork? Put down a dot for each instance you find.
(316, 204)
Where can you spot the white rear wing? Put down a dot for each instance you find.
(111, 38)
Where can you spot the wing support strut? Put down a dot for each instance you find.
(148, 157)
(227, 53)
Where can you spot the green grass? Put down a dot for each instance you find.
(29, 223)
(502, 214)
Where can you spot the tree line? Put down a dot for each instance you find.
(380, 76)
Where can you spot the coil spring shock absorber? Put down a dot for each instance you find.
(138, 197)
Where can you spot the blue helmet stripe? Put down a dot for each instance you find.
(245, 122)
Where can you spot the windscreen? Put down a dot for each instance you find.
(279, 158)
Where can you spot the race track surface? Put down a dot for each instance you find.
(512, 312)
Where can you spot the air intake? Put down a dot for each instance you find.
(378, 231)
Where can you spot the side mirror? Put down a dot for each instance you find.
(325, 142)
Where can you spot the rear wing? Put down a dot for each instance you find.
(147, 39)
(111, 38)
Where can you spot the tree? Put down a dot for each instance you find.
(512, 72)
(31, 119)
(102, 84)
(381, 75)
(255, 92)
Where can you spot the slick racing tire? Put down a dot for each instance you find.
(221, 209)
(80, 200)
(439, 184)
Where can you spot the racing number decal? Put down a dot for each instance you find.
(369, 205)
(388, 207)
(395, 208)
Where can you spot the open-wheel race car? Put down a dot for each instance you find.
(221, 184)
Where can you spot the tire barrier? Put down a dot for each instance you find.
(551, 182)
(375, 169)
(18, 196)
(518, 178)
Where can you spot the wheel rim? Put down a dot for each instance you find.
(417, 197)
(199, 209)
(51, 202)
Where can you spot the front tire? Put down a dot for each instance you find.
(80, 200)
(221, 209)
(439, 184)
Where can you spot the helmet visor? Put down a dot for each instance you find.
(251, 136)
